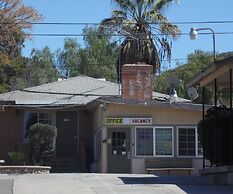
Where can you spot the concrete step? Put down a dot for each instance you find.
(65, 165)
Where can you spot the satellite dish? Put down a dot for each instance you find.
(171, 82)
(192, 93)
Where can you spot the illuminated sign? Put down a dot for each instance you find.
(129, 121)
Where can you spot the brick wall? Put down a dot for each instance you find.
(137, 81)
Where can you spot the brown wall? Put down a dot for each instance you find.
(11, 131)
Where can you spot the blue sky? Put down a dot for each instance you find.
(93, 11)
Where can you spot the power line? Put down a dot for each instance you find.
(66, 93)
(115, 35)
(173, 22)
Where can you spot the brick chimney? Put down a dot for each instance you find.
(137, 81)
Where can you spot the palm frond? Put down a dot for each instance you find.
(137, 19)
(162, 4)
(119, 13)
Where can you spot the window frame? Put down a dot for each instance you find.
(143, 127)
(196, 142)
(154, 143)
(164, 127)
(26, 140)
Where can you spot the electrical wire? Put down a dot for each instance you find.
(173, 22)
(114, 35)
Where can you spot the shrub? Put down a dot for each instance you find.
(16, 157)
(42, 140)
(214, 135)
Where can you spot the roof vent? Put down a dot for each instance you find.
(101, 79)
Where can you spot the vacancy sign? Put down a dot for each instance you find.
(129, 121)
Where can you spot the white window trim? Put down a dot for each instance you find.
(154, 145)
(164, 127)
(198, 156)
(196, 142)
(135, 136)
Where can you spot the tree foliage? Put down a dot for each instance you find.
(41, 67)
(97, 59)
(214, 135)
(68, 58)
(12, 74)
(147, 31)
(15, 18)
(197, 61)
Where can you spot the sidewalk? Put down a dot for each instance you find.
(107, 184)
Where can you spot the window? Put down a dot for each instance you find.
(163, 141)
(144, 141)
(118, 143)
(156, 141)
(32, 118)
(188, 143)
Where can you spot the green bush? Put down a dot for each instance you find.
(42, 141)
(214, 135)
(16, 157)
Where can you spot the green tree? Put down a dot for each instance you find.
(147, 31)
(96, 59)
(197, 61)
(68, 58)
(41, 67)
(12, 74)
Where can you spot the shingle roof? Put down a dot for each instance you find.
(79, 90)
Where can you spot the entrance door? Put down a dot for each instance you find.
(66, 134)
(118, 150)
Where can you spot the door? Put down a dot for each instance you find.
(118, 150)
(66, 145)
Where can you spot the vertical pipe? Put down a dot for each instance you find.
(203, 122)
(231, 88)
(230, 137)
(215, 119)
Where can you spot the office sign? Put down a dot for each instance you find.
(129, 121)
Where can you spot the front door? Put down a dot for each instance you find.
(118, 150)
(66, 134)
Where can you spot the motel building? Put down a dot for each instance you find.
(105, 128)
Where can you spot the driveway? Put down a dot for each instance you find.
(107, 184)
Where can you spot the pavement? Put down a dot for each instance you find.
(92, 183)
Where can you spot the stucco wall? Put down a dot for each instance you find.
(160, 117)
(11, 126)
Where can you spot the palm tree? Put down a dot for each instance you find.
(147, 31)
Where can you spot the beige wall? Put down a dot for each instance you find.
(160, 116)
(99, 115)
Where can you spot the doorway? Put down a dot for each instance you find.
(118, 150)
(67, 137)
